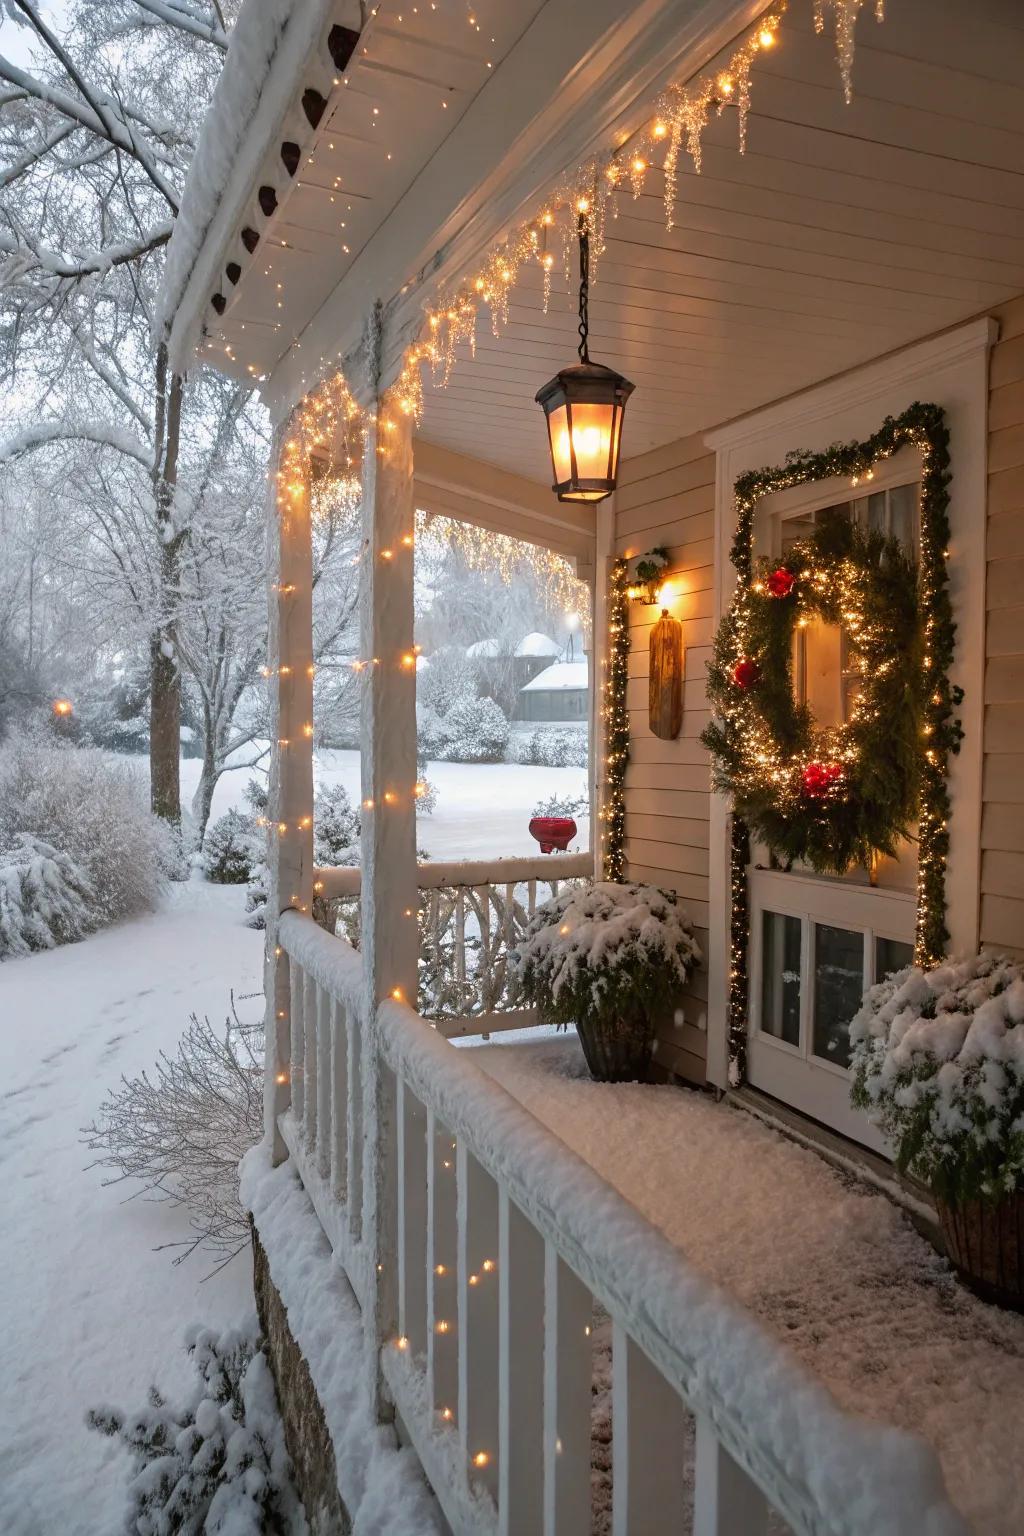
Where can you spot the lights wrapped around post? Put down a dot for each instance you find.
(584, 406)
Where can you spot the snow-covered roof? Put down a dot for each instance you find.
(483, 650)
(536, 644)
(564, 676)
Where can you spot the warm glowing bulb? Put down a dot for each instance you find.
(639, 165)
(396, 993)
(766, 37)
(481, 1459)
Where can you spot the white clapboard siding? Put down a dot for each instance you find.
(668, 497)
(1002, 826)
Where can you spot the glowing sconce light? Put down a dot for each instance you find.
(584, 406)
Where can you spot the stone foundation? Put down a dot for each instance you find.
(305, 1428)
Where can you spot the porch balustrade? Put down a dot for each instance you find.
(477, 1244)
(471, 915)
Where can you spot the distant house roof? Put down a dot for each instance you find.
(536, 644)
(564, 676)
(483, 650)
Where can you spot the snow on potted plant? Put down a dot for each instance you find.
(938, 1063)
(609, 958)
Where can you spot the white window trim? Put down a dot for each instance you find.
(952, 370)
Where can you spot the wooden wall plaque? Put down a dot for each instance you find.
(665, 700)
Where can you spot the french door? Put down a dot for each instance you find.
(816, 945)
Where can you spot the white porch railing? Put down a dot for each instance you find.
(471, 916)
(486, 1242)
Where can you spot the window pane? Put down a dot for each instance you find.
(838, 989)
(891, 955)
(903, 514)
(780, 977)
(875, 511)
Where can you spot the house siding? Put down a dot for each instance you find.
(1002, 825)
(668, 497)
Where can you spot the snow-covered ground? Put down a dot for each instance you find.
(833, 1268)
(483, 809)
(92, 1315)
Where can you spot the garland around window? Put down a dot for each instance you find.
(835, 797)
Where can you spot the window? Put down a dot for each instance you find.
(816, 965)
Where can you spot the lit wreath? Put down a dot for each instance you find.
(833, 797)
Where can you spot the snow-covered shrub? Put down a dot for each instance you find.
(609, 958)
(562, 805)
(431, 733)
(426, 792)
(257, 796)
(335, 828)
(181, 1132)
(216, 1462)
(257, 895)
(232, 849)
(45, 899)
(938, 1063)
(564, 747)
(94, 809)
(474, 731)
(447, 679)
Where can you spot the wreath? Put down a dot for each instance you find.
(832, 796)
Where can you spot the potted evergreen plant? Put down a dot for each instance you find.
(938, 1063)
(609, 958)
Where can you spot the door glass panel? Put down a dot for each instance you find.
(780, 977)
(838, 989)
(891, 955)
(903, 515)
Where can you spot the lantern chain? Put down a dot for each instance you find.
(584, 235)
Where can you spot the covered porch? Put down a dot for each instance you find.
(393, 259)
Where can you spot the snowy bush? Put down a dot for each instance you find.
(45, 899)
(232, 849)
(563, 805)
(335, 829)
(181, 1132)
(448, 679)
(215, 1463)
(604, 951)
(563, 747)
(473, 731)
(257, 796)
(95, 811)
(938, 1063)
(257, 895)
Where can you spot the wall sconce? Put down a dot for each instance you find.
(647, 584)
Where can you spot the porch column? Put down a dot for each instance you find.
(290, 798)
(389, 929)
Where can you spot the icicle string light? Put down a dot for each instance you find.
(680, 118)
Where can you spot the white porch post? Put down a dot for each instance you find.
(389, 930)
(290, 800)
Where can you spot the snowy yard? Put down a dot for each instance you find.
(92, 1314)
(483, 809)
(833, 1268)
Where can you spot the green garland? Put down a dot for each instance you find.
(831, 797)
(616, 724)
(922, 426)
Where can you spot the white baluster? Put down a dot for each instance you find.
(442, 1271)
(460, 945)
(324, 1123)
(648, 1433)
(355, 1029)
(725, 1501)
(568, 1368)
(520, 1370)
(338, 1078)
(531, 897)
(478, 1318)
(412, 1220)
(484, 961)
(311, 1020)
(297, 989)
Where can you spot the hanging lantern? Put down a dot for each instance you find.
(584, 406)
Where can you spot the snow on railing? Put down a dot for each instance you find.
(487, 1243)
(471, 915)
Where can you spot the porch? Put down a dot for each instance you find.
(483, 1201)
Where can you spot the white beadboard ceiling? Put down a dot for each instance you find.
(844, 232)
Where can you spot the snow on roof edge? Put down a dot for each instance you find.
(269, 50)
(567, 675)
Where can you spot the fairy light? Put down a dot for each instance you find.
(615, 717)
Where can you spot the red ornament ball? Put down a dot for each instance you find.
(818, 778)
(746, 673)
(781, 582)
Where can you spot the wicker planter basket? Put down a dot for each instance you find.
(985, 1242)
(618, 1052)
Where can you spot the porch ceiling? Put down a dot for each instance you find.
(844, 232)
